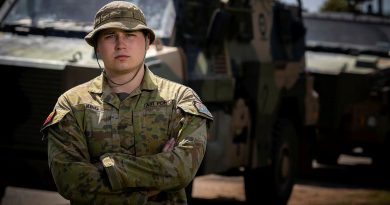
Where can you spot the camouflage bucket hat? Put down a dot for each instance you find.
(122, 15)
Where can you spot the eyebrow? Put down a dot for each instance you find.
(105, 32)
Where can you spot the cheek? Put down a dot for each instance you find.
(103, 51)
(142, 48)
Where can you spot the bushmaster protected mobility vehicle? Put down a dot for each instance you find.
(350, 65)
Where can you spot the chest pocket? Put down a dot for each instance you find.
(154, 126)
(98, 130)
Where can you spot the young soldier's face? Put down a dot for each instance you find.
(121, 51)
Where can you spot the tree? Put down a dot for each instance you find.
(335, 5)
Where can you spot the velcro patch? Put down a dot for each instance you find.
(158, 103)
(49, 118)
(202, 109)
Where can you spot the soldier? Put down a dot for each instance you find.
(127, 136)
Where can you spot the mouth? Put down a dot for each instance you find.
(121, 57)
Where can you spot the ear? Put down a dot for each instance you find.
(97, 53)
(147, 42)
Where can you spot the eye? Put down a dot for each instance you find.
(130, 34)
(109, 36)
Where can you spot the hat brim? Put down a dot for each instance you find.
(90, 38)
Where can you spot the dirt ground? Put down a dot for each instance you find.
(355, 182)
(232, 188)
(315, 195)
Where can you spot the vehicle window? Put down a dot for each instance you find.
(361, 35)
(79, 15)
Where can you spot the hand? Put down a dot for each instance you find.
(169, 145)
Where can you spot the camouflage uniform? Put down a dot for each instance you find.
(91, 124)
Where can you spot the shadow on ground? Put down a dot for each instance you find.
(217, 201)
(348, 176)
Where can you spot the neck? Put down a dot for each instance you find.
(126, 83)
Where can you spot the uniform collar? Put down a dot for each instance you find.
(149, 81)
(99, 84)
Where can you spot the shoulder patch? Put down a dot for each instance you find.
(54, 117)
(49, 118)
(202, 109)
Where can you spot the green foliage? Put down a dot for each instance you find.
(335, 5)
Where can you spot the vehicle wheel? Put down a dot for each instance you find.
(274, 184)
(285, 159)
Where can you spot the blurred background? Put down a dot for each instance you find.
(298, 88)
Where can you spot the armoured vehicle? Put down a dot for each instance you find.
(244, 58)
(348, 55)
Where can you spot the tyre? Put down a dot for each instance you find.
(274, 184)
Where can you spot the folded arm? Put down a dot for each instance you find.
(172, 169)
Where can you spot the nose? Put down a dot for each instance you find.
(120, 41)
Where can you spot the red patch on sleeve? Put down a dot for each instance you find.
(49, 118)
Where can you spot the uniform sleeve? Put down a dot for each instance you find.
(76, 178)
(166, 171)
